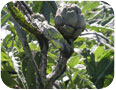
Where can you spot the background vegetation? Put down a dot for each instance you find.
(90, 66)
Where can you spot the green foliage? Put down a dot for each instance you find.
(8, 79)
(4, 19)
(45, 8)
(90, 66)
(73, 61)
(29, 73)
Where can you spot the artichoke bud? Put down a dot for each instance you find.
(63, 11)
(69, 9)
(82, 22)
(59, 21)
(69, 21)
(67, 31)
(71, 18)
(76, 8)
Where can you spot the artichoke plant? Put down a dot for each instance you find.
(69, 21)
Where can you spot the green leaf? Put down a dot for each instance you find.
(17, 65)
(108, 79)
(29, 74)
(82, 80)
(106, 31)
(49, 67)
(8, 42)
(79, 42)
(45, 10)
(6, 62)
(5, 19)
(12, 28)
(106, 21)
(37, 6)
(52, 22)
(91, 65)
(89, 6)
(18, 42)
(34, 46)
(73, 61)
(4, 56)
(8, 79)
(53, 7)
(104, 67)
(4, 11)
(53, 56)
(98, 52)
(106, 63)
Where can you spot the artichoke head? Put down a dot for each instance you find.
(69, 21)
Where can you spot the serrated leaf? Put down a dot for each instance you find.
(17, 65)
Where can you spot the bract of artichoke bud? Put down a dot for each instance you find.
(69, 21)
